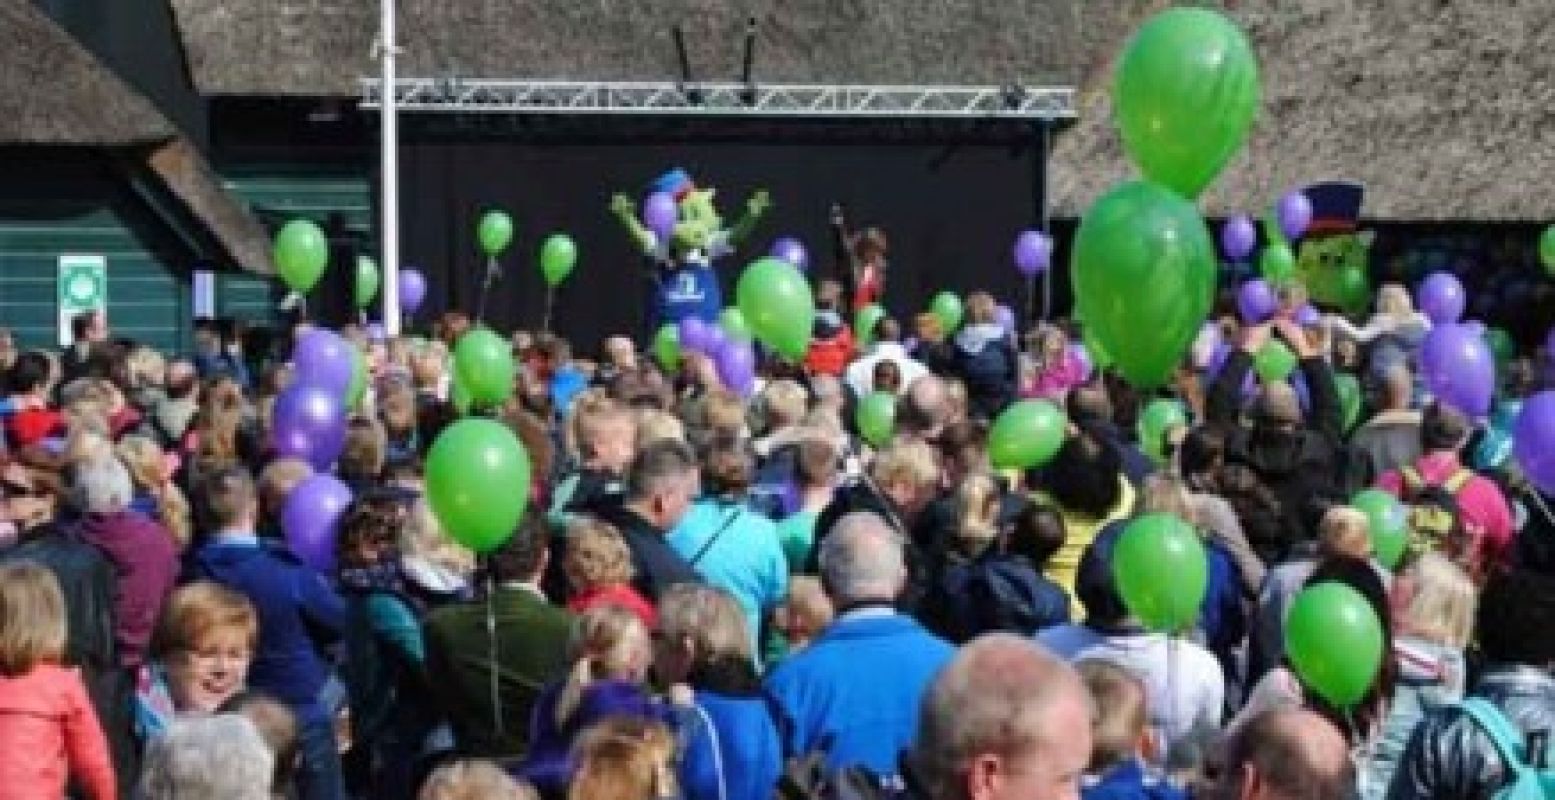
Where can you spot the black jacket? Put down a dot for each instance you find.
(862, 496)
(1306, 468)
(987, 363)
(657, 565)
(1449, 756)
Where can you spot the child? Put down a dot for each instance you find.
(805, 614)
(599, 570)
(48, 730)
(607, 439)
(611, 652)
(1121, 744)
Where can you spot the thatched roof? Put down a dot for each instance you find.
(53, 91)
(322, 47)
(1444, 110)
(186, 173)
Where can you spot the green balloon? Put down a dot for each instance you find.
(301, 252)
(1274, 362)
(1162, 571)
(1277, 264)
(459, 397)
(733, 324)
(876, 417)
(1100, 358)
(557, 257)
(483, 363)
(776, 302)
(864, 323)
(477, 482)
(1144, 271)
(1387, 523)
(1334, 642)
(357, 388)
(366, 281)
(946, 307)
(1547, 250)
(666, 347)
(1185, 97)
(1349, 389)
(495, 232)
(1502, 348)
(1159, 417)
(1027, 434)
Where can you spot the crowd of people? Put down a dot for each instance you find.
(723, 597)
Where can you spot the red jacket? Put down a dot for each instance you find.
(620, 594)
(33, 425)
(830, 356)
(48, 731)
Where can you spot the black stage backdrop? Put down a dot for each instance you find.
(951, 209)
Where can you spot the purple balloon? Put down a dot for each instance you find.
(660, 213)
(716, 340)
(1441, 298)
(1005, 318)
(323, 358)
(1295, 214)
(413, 290)
(1459, 368)
(1238, 237)
(1033, 253)
(693, 334)
(736, 362)
(791, 250)
(309, 423)
(310, 517)
(1533, 440)
(1217, 360)
(1307, 315)
(1256, 301)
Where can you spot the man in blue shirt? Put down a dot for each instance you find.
(854, 692)
(299, 615)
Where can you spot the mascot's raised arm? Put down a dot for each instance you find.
(686, 284)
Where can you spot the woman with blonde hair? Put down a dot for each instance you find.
(625, 759)
(1395, 316)
(437, 569)
(473, 779)
(157, 496)
(611, 652)
(1434, 603)
(732, 748)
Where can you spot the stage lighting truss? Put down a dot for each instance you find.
(455, 95)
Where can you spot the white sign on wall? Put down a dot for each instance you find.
(83, 286)
(204, 291)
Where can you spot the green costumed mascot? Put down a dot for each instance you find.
(1334, 258)
(685, 283)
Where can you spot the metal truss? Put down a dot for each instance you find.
(454, 95)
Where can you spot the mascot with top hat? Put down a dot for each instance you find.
(1335, 255)
(686, 284)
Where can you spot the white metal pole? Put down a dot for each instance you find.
(389, 202)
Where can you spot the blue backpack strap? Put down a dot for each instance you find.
(1506, 737)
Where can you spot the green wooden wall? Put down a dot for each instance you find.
(74, 201)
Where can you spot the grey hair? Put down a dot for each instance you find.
(990, 699)
(657, 465)
(862, 560)
(101, 485)
(221, 757)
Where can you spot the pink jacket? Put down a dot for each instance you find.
(1057, 379)
(1484, 507)
(48, 731)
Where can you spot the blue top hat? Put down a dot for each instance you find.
(676, 183)
(1336, 207)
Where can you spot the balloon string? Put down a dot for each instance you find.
(1171, 695)
(480, 298)
(550, 300)
(491, 644)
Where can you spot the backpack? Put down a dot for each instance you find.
(1524, 781)
(1435, 518)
